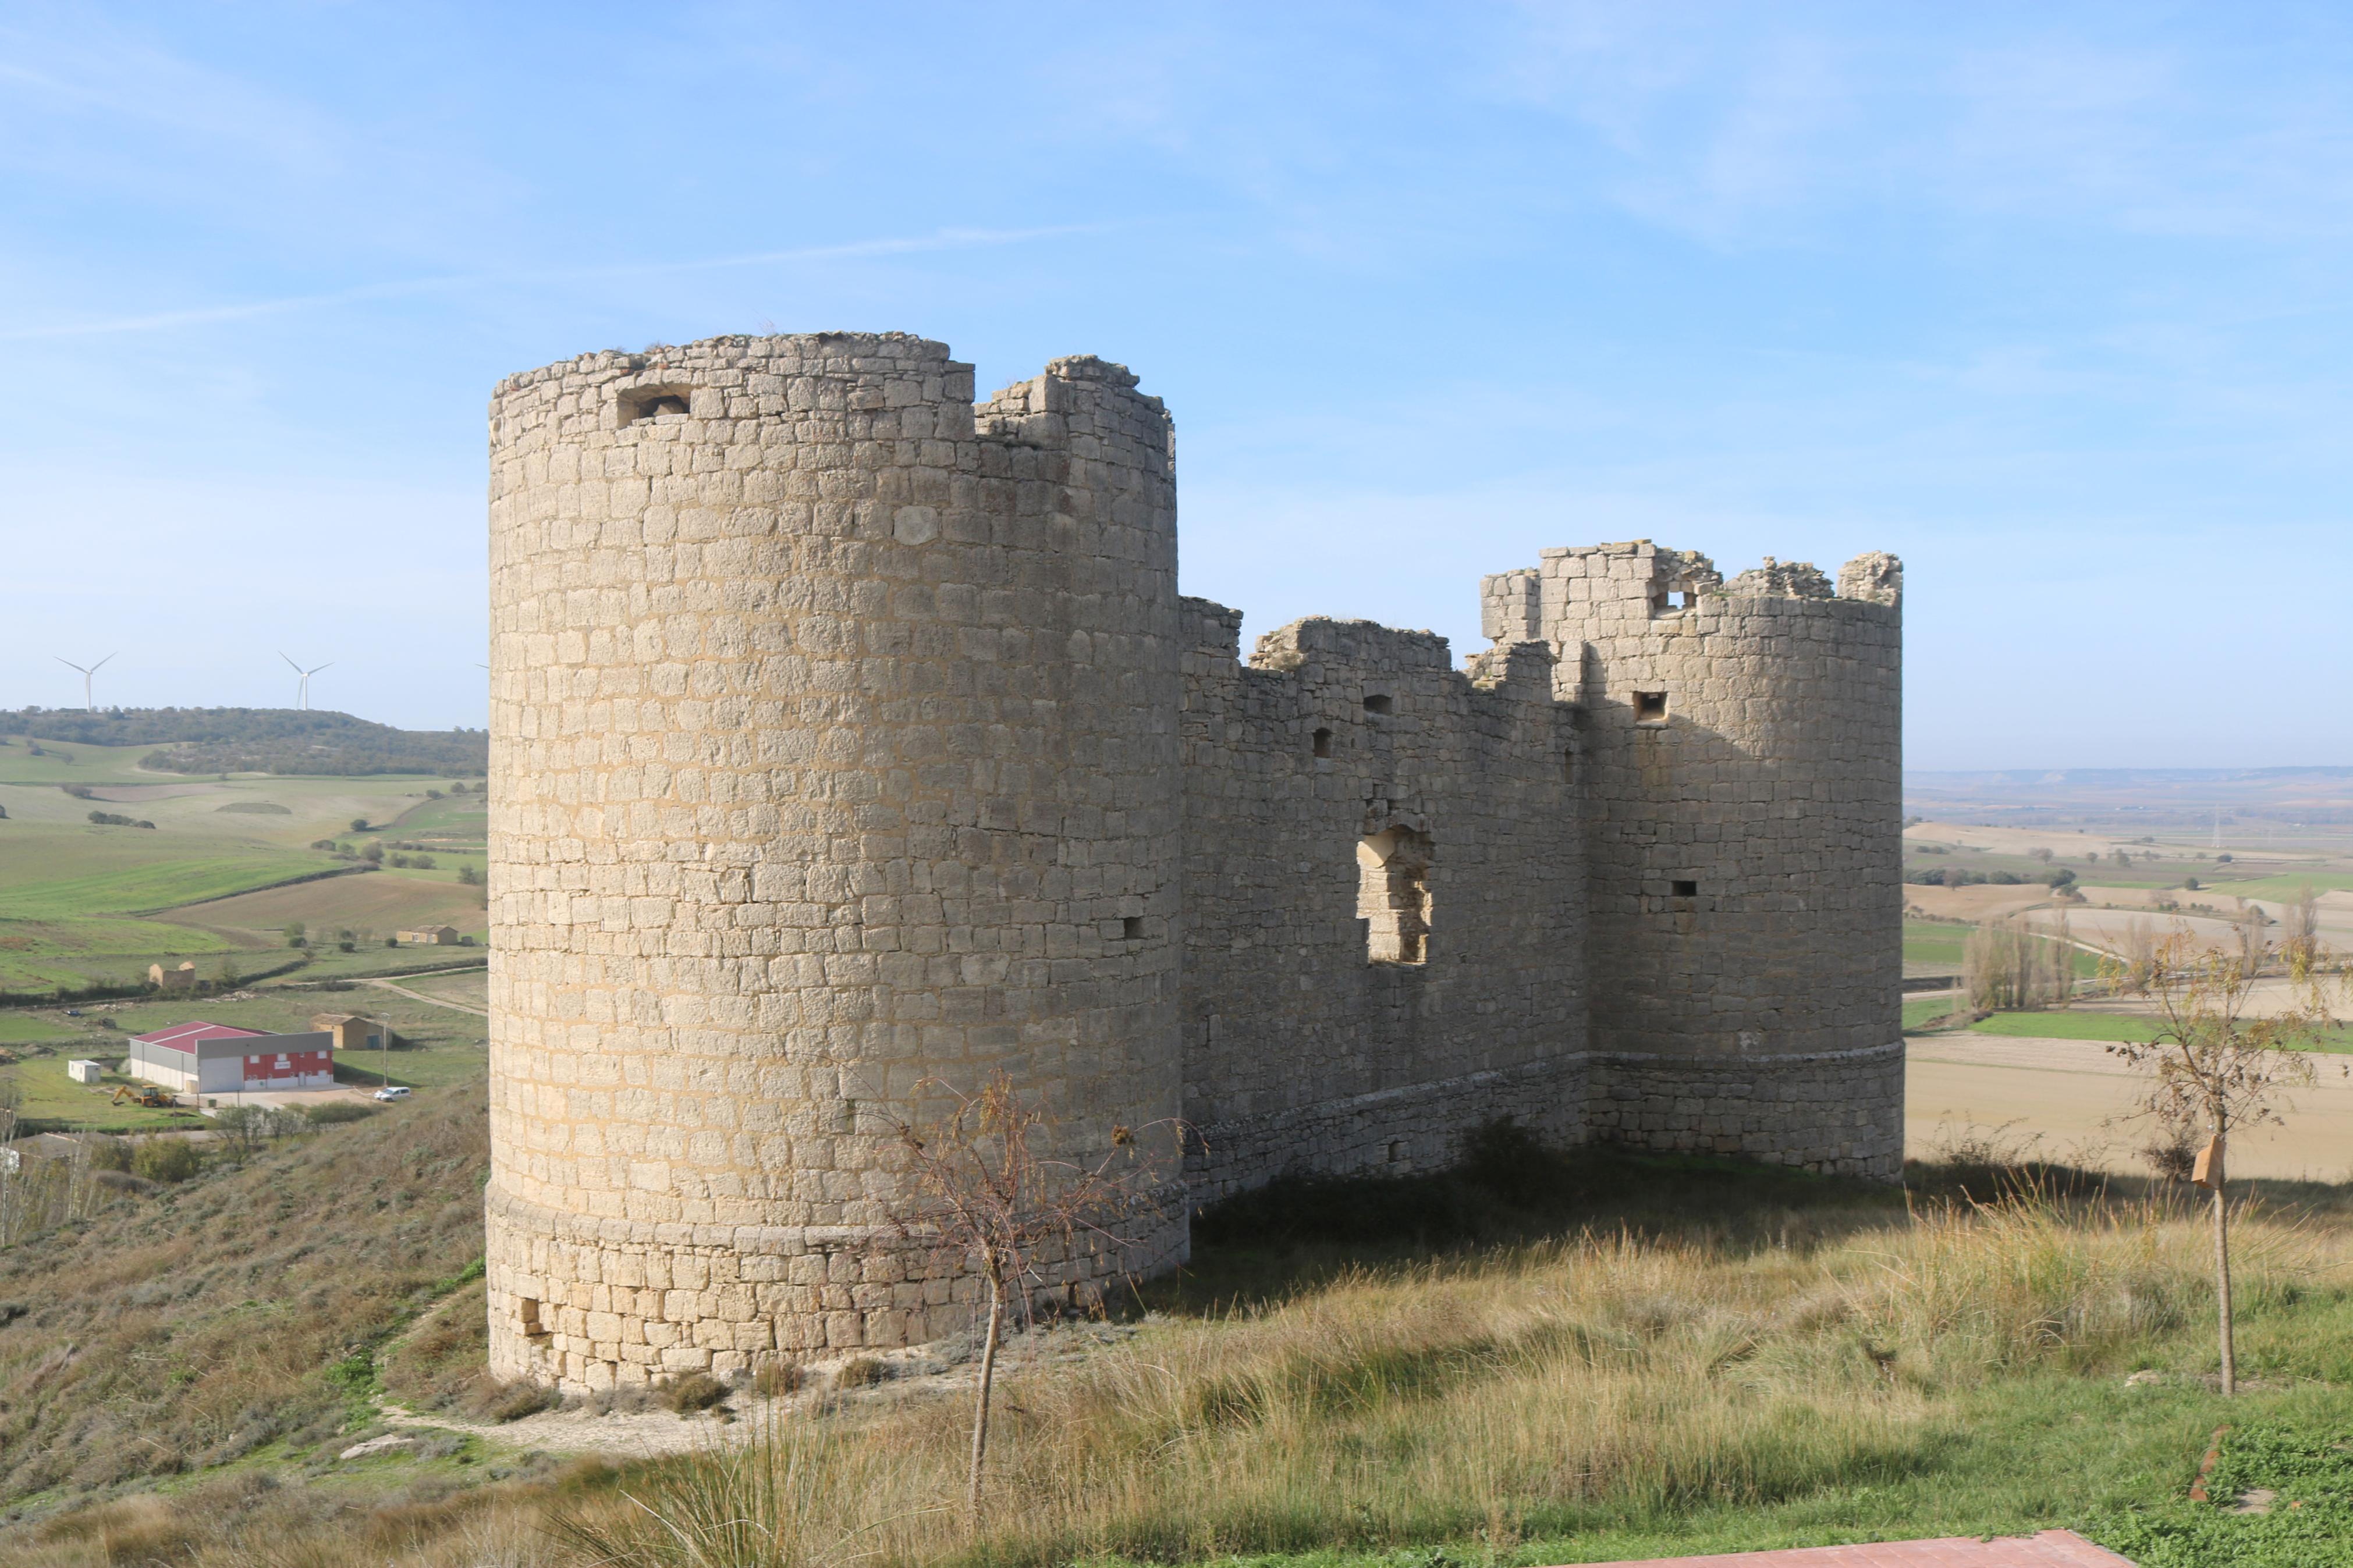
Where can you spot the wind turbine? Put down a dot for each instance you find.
(87, 671)
(302, 687)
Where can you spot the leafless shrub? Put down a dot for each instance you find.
(983, 1191)
(2212, 1068)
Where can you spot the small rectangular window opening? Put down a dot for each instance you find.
(1379, 702)
(1323, 743)
(1649, 707)
(648, 401)
(528, 1307)
(1132, 928)
(1569, 767)
(1684, 890)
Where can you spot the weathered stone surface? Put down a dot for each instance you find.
(847, 734)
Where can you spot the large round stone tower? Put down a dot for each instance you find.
(833, 748)
(1741, 793)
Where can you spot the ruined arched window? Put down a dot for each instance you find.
(1393, 895)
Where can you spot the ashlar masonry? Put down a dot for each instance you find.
(850, 734)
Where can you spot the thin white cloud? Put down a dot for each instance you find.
(161, 320)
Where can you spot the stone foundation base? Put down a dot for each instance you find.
(1417, 1127)
(1836, 1112)
(589, 1304)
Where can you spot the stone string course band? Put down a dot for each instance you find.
(849, 740)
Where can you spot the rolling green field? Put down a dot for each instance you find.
(2066, 1023)
(220, 875)
(2288, 884)
(1922, 1010)
(1935, 941)
(52, 1100)
(64, 764)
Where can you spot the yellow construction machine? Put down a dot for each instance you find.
(145, 1094)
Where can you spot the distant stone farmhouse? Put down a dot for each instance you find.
(847, 733)
(427, 936)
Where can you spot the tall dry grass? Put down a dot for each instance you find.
(1522, 1392)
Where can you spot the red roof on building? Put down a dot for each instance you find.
(187, 1036)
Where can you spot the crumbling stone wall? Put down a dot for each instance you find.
(1308, 1043)
(849, 736)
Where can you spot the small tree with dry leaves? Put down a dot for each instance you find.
(982, 1190)
(2214, 1067)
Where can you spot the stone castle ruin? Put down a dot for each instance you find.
(849, 734)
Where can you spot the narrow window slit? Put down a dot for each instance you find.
(1323, 743)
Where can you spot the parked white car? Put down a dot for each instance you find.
(392, 1091)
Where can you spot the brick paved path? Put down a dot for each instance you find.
(2051, 1549)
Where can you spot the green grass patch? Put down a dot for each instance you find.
(1921, 1011)
(52, 1099)
(72, 762)
(2288, 885)
(142, 890)
(457, 820)
(20, 1027)
(1935, 941)
(2066, 1025)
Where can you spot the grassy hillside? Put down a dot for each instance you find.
(199, 1325)
(1538, 1359)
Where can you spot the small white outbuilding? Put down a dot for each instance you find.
(84, 1072)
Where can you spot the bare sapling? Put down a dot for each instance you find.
(984, 1190)
(2215, 1066)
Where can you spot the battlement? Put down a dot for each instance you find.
(1603, 588)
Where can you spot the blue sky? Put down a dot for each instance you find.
(2051, 301)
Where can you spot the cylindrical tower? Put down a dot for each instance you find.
(1743, 786)
(833, 748)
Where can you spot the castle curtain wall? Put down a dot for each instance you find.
(1301, 1050)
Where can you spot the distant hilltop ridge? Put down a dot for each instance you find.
(2029, 777)
(259, 740)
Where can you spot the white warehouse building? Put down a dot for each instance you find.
(215, 1058)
